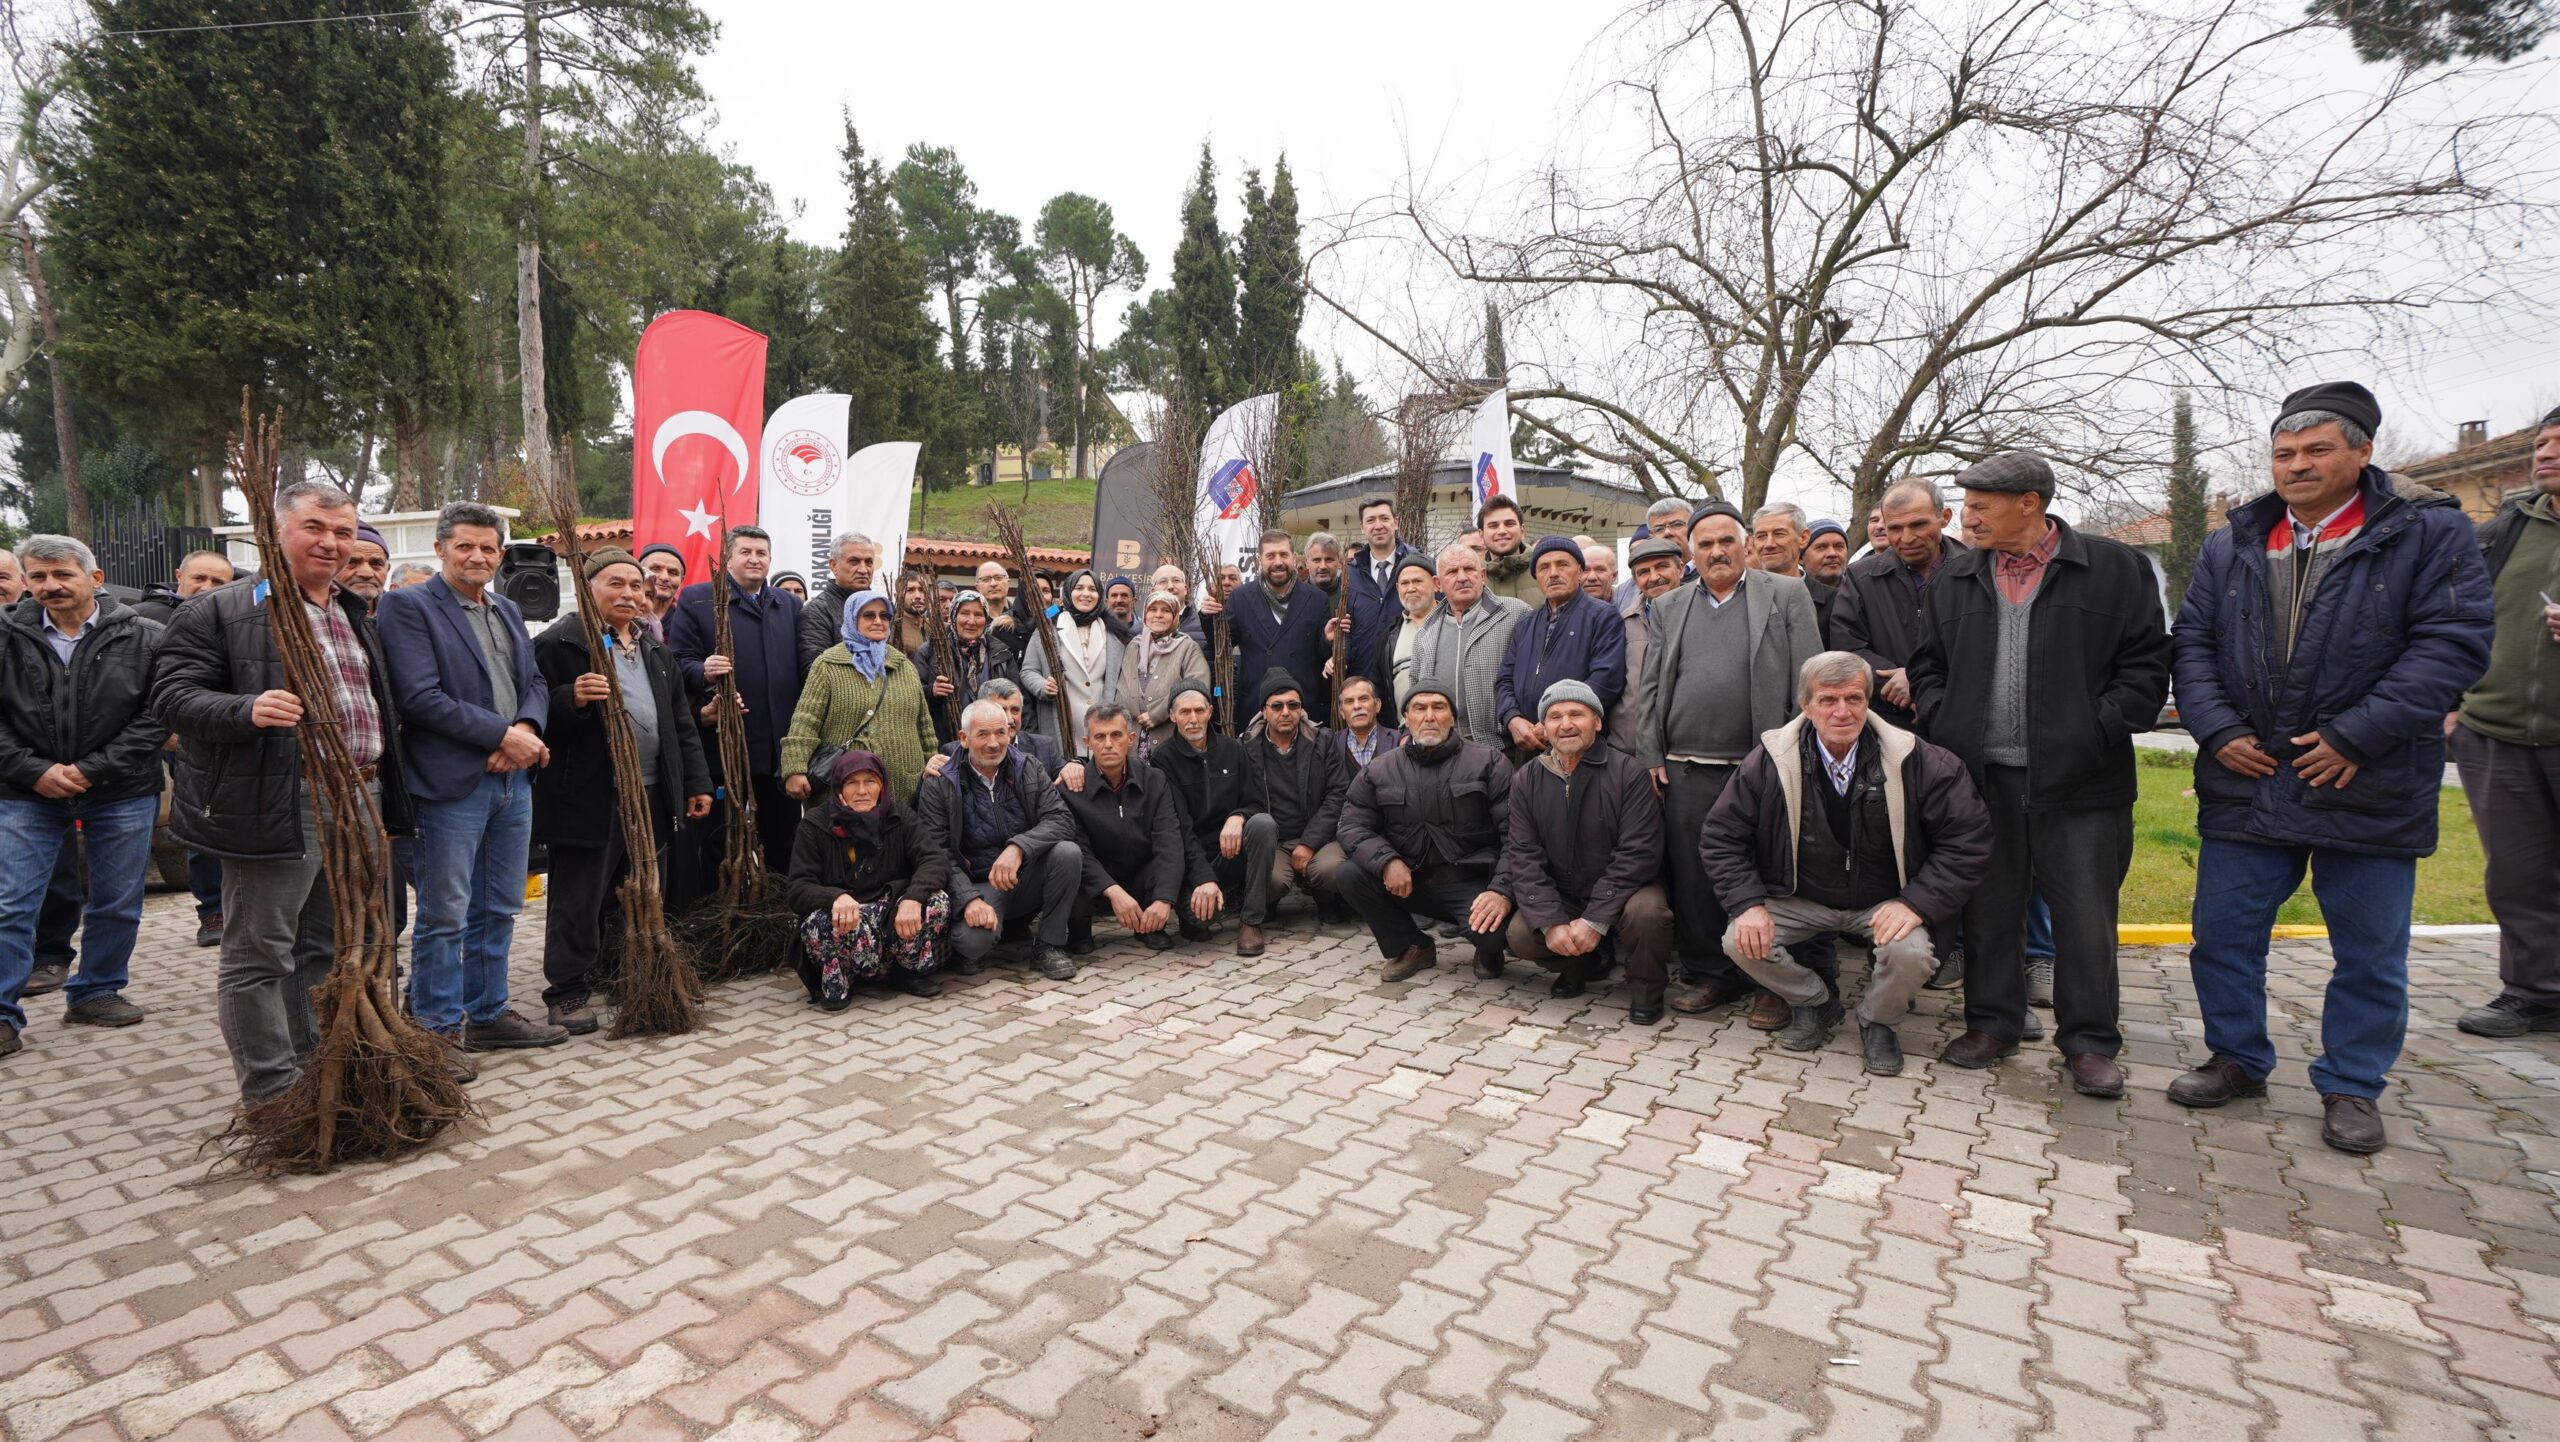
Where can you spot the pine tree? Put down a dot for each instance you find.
(886, 348)
(1274, 298)
(1200, 321)
(2190, 511)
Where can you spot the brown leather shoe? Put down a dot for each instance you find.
(2093, 1075)
(1249, 940)
(1976, 1049)
(2351, 1124)
(1410, 960)
(1769, 1011)
(2214, 1083)
(1697, 996)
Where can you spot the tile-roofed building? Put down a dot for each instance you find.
(2481, 471)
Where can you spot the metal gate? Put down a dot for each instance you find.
(137, 547)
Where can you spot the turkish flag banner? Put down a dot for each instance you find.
(697, 394)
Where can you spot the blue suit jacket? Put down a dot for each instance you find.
(440, 685)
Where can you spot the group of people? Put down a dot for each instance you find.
(1708, 773)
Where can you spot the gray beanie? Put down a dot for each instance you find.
(1569, 689)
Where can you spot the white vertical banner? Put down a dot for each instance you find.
(1226, 517)
(800, 483)
(879, 482)
(1490, 439)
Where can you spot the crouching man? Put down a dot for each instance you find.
(1841, 822)
(1421, 833)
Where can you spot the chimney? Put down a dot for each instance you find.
(2472, 433)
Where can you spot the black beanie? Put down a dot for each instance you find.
(2339, 398)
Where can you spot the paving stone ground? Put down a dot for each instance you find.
(1198, 1197)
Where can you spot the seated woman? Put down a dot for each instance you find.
(861, 692)
(871, 888)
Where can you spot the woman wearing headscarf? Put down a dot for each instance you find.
(1086, 668)
(870, 887)
(1160, 658)
(980, 656)
(862, 692)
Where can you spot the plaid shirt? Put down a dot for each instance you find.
(2019, 575)
(350, 681)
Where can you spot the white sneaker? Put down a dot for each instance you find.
(2040, 983)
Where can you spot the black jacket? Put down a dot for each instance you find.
(997, 660)
(1323, 772)
(2097, 668)
(158, 602)
(1132, 835)
(822, 621)
(1941, 830)
(573, 797)
(907, 865)
(1876, 613)
(94, 713)
(1581, 861)
(1209, 786)
(940, 808)
(239, 785)
(1399, 809)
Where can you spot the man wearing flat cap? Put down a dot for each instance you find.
(1720, 670)
(1654, 567)
(1421, 833)
(2507, 743)
(1567, 636)
(1582, 858)
(2042, 653)
(2329, 629)
(574, 811)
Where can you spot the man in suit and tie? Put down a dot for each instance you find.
(472, 705)
(1720, 671)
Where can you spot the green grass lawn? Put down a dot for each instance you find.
(1059, 513)
(2162, 885)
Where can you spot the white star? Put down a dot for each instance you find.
(698, 522)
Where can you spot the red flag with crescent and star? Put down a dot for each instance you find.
(697, 397)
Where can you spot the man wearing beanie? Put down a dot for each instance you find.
(1582, 858)
(1229, 830)
(2042, 653)
(1721, 671)
(2327, 632)
(1421, 832)
(2508, 746)
(1568, 636)
(575, 812)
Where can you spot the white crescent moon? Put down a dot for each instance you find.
(698, 423)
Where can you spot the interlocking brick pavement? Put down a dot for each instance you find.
(1188, 1196)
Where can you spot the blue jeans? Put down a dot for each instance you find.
(2039, 926)
(2366, 901)
(470, 880)
(32, 835)
(204, 882)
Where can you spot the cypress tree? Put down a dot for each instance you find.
(1200, 324)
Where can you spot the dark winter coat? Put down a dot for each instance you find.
(940, 807)
(2097, 668)
(907, 865)
(822, 621)
(1294, 641)
(574, 796)
(1323, 772)
(995, 660)
(1374, 607)
(1043, 749)
(1581, 860)
(1210, 786)
(1585, 640)
(440, 677)
(1400, 809)
(2397, 627)
(94, 713)
(764, 639)
(239, 785)
(1877, 615)
(1941, 831)
(1132, 835)
(158, 602)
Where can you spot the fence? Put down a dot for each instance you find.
(136, 546)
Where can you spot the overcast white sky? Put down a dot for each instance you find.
(1115, 99)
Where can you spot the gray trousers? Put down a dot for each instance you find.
(278, 941)
(1047, 887)
(2515, 802)
(1896, 970)
(1246, 876)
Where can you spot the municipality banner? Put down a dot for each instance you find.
(1225, 515)
(1491, 442)
(800, 487)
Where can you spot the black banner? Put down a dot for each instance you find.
(1128, 531)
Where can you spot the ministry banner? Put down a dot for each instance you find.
(801, 488)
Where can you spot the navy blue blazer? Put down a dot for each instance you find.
(764, 639)
(440, 685)
(1374, 607)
